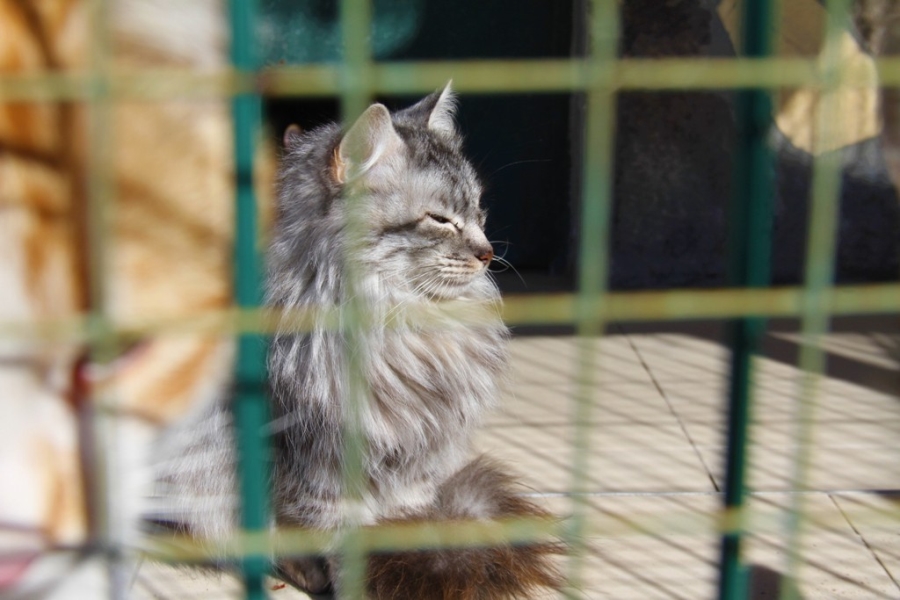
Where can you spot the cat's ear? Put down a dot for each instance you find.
(435, 112)
(371, 139)
(292, 136)
(443, 113)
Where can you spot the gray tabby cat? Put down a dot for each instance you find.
(429, 376)
(422, 244)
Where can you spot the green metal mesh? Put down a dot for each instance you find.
(600, 76)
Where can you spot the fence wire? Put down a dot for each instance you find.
(599, 76)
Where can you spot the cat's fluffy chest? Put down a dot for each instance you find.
(428, 390)
(422, 381)
(427, 387)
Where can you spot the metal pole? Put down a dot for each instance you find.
(250, 407)
(750, 264)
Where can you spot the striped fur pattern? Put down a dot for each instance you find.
(428, 385)
(420, 250)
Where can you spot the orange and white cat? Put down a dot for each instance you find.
(168, 255)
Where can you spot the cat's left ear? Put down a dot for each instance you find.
(443, 113)
(435, 112)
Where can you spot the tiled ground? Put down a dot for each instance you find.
(656, 444)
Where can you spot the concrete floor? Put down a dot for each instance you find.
(657, 424)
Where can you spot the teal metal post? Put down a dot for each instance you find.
(249, 405)
(750, 249)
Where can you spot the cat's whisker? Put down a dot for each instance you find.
(521, 162)
(503, 261)
(501, 230)
(430, 287)
(505, 252)
(421, 282)
(438, 288)
(509, 266)
(395, 310)
(496, 308)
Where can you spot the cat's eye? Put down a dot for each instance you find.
(439, 219)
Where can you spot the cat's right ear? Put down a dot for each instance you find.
(292, 136)
(370, 140)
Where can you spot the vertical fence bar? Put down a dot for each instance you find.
(593, 265)
(818, 276)
(249, 404)
(356, 86)
(99, 435)
(750, 240)
(356, 73)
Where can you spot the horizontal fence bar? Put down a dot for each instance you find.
(536, 309)
(400, 536)
(409, 536)
(495, 76)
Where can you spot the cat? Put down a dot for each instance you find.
(422, 244)
(420, 252)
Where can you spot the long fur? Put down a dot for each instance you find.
(428, 384)
(429, 376)
(481, 490)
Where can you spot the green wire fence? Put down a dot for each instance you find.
(250, 406)
(599, 76)
(750, 257)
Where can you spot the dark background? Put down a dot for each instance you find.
(672, 175)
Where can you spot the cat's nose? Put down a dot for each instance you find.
(485, 254)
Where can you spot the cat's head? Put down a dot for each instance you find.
(422, 229)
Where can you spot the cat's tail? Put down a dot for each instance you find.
(482, 490)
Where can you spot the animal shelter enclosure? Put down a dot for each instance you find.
(727, 470)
